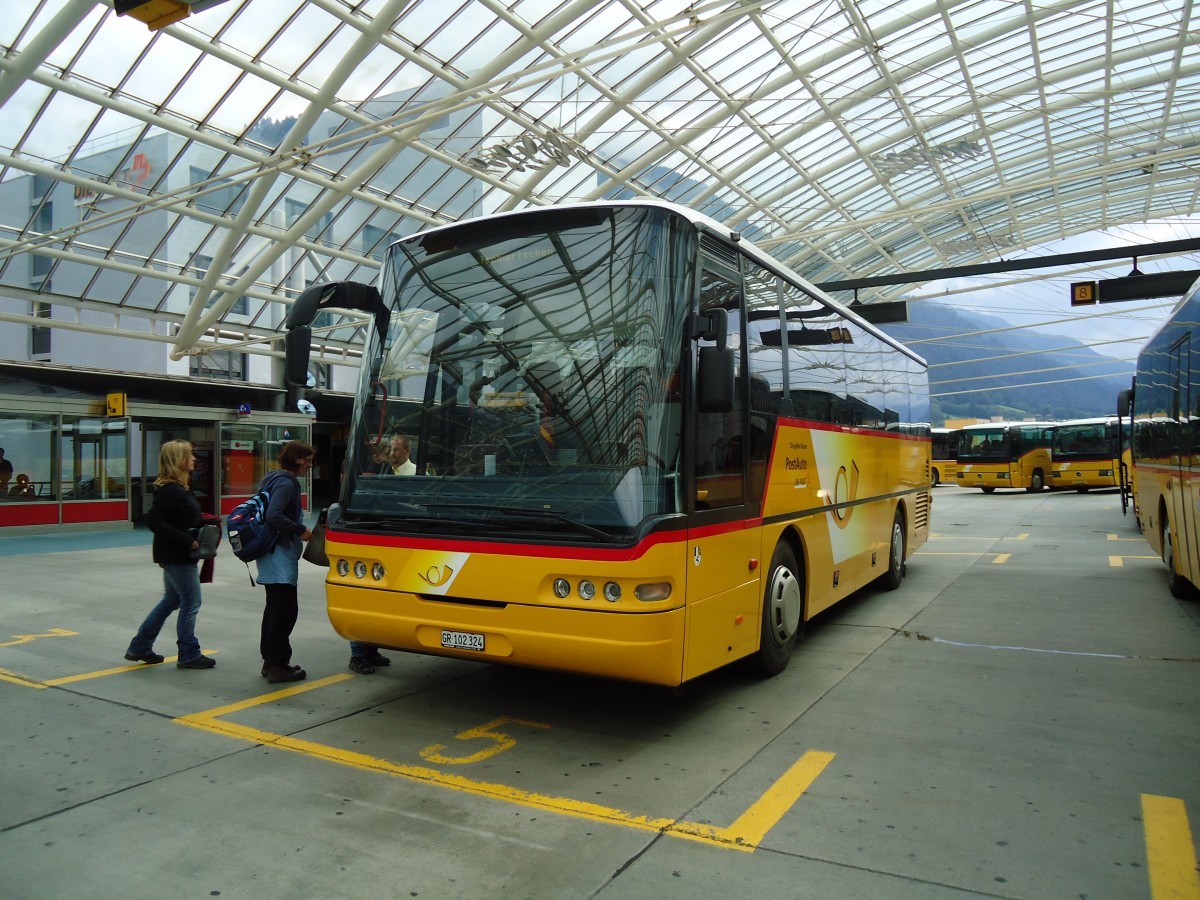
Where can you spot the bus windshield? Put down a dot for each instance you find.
(1095, 440)
(528, 378)
(983, 443)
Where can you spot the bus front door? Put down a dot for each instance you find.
(722, 576)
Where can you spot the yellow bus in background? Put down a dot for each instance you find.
(1005, 455)
(1086, 455)
(944, 449)
(643, 448)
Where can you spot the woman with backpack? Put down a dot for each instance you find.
(279, 570)
(174, 518)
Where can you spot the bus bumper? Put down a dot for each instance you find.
(646, 647)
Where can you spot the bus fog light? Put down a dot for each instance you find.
(647, 593)
(562, 588)
(377, 571)
(343, 568)
(587, 590)
(1003, 475)
(612, 591)
(360, 569)
(1106, 473)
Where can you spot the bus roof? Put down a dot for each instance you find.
(702, 223)
(1094, 420)
(985, 425)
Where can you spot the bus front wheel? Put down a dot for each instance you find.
(988, 490)
(1035, 483)
(936, 477)
(782, 615)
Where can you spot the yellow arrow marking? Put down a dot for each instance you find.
(26, 638)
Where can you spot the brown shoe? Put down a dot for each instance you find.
(277, 674)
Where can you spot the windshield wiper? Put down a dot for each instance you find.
(415, 523)
(517, 512)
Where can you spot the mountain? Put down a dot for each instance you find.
(1012, 374)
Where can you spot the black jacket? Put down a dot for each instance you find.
(175, 512)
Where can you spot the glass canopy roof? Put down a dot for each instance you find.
(191, 181)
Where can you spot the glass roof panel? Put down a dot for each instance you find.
(154, 141)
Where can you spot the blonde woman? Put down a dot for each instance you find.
(172, 517)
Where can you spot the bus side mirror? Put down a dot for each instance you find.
(715, 372)
(296, 347)
(1123, 403)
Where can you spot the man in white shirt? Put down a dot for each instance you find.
(397, 462)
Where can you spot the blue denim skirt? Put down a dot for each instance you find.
(281, 565)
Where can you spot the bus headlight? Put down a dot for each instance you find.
(343, 568)
(612, 591)
(562, 588)
(360, 569)
(1106, 473)
(377, 571)
(648, 593)
(587, 590)
(1003, 475)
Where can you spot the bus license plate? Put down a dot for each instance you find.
(462, 640)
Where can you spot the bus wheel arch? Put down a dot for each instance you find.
(783, 609)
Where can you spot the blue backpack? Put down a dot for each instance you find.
(249, 534)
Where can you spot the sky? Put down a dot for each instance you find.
(1040, 299)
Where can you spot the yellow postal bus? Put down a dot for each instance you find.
(643, 448)
(1005, 455)
(1086, 455)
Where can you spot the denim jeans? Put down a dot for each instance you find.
(181, 591)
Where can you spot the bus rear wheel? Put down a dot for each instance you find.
(895, 574)
(1180, 587)
(782, 614)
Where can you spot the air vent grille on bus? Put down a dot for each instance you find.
(921, 510)
(718, 252)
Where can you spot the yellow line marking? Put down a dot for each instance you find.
(1170, 853)
(746, 833)
(1115, 537)
(24, 680)
(752, 825)
(975, 554)
(15, 678)
(966, 537)
(1001, 559)
(1118, 562)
